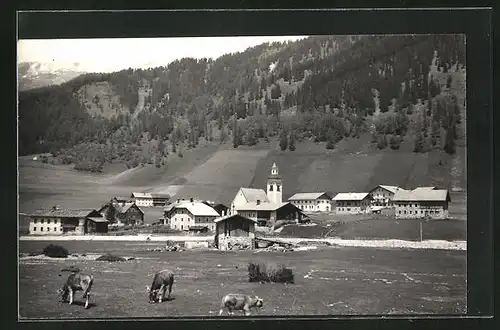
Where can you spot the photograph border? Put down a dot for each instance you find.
(51, 24)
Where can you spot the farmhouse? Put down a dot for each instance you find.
(57, 221)
(234, 229)
(123, 213)
(184, 215)
(419, 203)
(313, 202)
(352, 203)
(142, 199)
(382, 195)
(266, 214)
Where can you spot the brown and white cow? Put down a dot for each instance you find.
(240, 302)
(77, 282)
(161, 280)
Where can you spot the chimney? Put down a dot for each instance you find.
(178, 201)
(55, 208)
(191, 199)
(258, 202)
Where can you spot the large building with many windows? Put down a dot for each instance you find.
(352, 203)
(312, 202)
(422, 202)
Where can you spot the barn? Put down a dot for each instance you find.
(234, 230)
(57, 221)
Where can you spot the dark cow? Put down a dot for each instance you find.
(240, 302)
(161, 280)
(77, 282)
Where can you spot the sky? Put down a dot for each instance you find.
(108, 55)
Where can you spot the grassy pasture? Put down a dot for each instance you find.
(331, 281)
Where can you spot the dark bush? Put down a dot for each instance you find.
(257, 273)
(55, 251)
(72, 269)
(111, 258)
(281, 275)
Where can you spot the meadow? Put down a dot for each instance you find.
(329, 281)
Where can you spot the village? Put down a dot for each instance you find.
(252, 210)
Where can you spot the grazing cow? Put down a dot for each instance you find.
(161, 280)
(240, 302)
(77, 282)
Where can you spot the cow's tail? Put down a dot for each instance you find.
(89, 287)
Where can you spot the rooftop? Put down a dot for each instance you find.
(233, 216)
(392, 189)
(350, 196)
(63, 213)
(197, 208)
(423, 195)
(266, 206)
(307, 196)
(253, 195)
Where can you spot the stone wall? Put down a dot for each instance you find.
(243, 241)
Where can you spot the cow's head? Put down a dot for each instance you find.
(152, 294)
(259, 302)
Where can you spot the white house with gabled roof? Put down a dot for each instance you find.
(185, 215)
(382, 195)
(312, 202)
(352, 203)
(422, 202)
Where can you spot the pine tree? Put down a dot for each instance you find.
(111, 212)
(291, 146)
(283, 140)
(418, 143)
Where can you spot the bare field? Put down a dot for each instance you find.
(331, 281)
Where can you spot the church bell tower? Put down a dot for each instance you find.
(274, 186)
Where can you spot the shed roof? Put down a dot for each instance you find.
(96, 219)
(233, 216)
(253, 195)
(198, 209)
(308, 196)
(124, 208)
(63, 213)
(418, 195)
(350, 196)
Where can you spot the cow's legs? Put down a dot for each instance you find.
(87, 297)
(161, 291)
(221, 311)
(71, 292)
(246, 310)
(169, 290)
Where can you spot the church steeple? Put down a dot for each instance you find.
(274, 186)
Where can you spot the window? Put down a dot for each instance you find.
(49, 221)
(60, 228)
(278, 187)
(34, 228)
(41, 221)
(348, 209)
(405, 212)
(41, 228)
(55, 229)
(270, 187)
(399, 212)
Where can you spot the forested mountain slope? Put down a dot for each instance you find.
(394, 93)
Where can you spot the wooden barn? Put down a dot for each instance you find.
(123, 213)
(233, 230)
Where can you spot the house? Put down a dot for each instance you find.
(422, 202)
(181, 216)
(234, 229)
(352, 203)
(160, 200)
(57, 221)
(123, 213)
(142, 199)
(266, 214)
(312, 202)
(382, 195)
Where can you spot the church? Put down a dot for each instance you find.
(265, 206)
